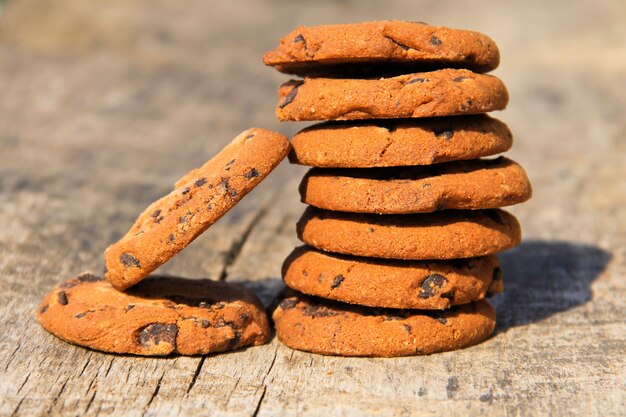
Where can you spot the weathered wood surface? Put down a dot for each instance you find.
(104, 104)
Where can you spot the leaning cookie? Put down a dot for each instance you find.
(424, 285)
(200, 198)
(461, 185)
(449, 234)
(332, 328)
(388, 143)
(160, 316)
(446, 92)
(382, 45)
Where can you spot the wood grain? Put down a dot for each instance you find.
(105, 104)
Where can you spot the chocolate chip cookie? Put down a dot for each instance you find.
(425, 285)
(331, 328)
(448, 234)
(445, 92)
(381, 47)
(159, 316)
(387, 143)
(199, 199)
(475, 184)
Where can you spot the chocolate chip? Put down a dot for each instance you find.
(337, 281)
(298, 38)
(236, 338)
(371, 229)
(460, 79)
(171, 238)
(244, 316)
(205, 324)
(497, 274)
(129, 260)
(320, 278)
(418, 80)
(448, 295)
(253, 173)
(444, 133)
(229, 165)
(470, 101)
(184, 218)
(493, 215)
(435, 41)
(159, 219)
(401, 45)
(250, 136)
(62, 298)
(185, 191)
(407, 328)
(431, 285)
(291, 95)
(225, 184)
(68, 284)
(156, 333)
(156, 213)
(87, 277)
(43, 309)
(317, 311)
(200, 182)
(305, 273)
(83, 314)
(129, 307)
(288, 303)
(441, 320)
(219, 306)
(426, 185)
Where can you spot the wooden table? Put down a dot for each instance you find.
(103, 105)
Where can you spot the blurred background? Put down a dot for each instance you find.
(104, 104)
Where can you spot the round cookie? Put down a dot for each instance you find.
(386, 143)
(425, 285)
(332, 328)
(470, 185)
(446, 92)
(449, 234)
(381, 45)
(159, 316)
(199, 199)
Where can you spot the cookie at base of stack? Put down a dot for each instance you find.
(331, 328)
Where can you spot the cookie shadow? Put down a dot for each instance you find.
(543, 278)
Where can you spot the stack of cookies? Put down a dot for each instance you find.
(404, 212)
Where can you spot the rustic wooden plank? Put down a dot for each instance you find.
(105, 104)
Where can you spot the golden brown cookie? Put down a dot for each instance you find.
(332, 328)
(446, 92)
(386, 143)
(200, 198)
(159, 316)
(425, 285)
(381, 45)
(475, 184)
(448, 234)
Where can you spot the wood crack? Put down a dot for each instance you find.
(237, 245)
(258, 405)
(196, 373)
(154, 394)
